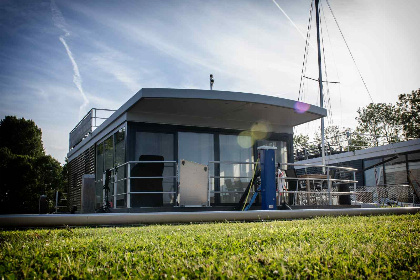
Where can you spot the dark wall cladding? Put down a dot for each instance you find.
(82, 164)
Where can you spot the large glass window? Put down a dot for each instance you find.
(109, 159)
(119, 140)
(281, 152)
(152, 146)
(373, 176)
(110, 153)
(196, 147)
(99, 174)
(234, 179)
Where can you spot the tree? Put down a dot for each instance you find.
(25, 171)
(335, 138)
(409, 111)
(300, 141)
(379, 121)
(21, 137)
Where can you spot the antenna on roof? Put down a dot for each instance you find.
(211, 81)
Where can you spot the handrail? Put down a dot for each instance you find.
(320, 165)
(232, 162)
(127, 177)
(320, 179)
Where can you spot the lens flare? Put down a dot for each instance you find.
(301, 107)
(260, 130)
(244, 140)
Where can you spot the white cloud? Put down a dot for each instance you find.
(60, 22)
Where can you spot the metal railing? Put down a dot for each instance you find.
(87, 125)
(312, 189)
(213, 177)
(388, 194)
(126, 167)
(314, 183)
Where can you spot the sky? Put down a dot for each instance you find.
(60, 58)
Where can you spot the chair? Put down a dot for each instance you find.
(147, 184)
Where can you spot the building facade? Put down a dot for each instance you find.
(218, 129)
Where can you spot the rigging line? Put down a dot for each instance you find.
(305, 56)
(329, 107)
(348, 48)
(335, 63)
(328, 99)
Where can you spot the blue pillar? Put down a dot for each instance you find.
(268, 177)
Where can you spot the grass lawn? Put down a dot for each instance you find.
(328, 247)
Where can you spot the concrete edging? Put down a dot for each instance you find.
(58, 220)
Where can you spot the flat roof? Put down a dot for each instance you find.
(206, 108)
(374, 152)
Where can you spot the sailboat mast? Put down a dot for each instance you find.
(321, 96)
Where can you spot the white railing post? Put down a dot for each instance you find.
(128, 186)
(209, 188)
(329, 186)
(103, 189)
(354, 185)
(115, 187)
(177, 184)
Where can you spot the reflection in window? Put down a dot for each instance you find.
(158, 144)
(110, 153)
(119, 139)
(281, 152)
(109, 159)
(231, 173)
(373, 176)
(99, 174)
(396, 171)
(196, 147)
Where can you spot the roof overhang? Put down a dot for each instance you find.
(207, 108)
(221, 107)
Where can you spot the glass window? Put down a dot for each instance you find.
(396, 171)
(281, 152)
(148, 145)
(120, 147)
(109, 160)
(119, 140)
(374, 176)
(232, 184)
(99, 173)
(109, 153)
(414, 168)
(196, 147)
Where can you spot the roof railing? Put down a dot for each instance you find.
(87, 125)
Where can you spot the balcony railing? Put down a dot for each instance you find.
(93, 119)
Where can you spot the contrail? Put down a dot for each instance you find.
(291, 21)
(59, 21)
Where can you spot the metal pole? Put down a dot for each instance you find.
(115, 188)
(321, 97)
(354, 186)
(128, 186)
(177, 184)
(103, 189)
(329, 186)
(209, 185)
